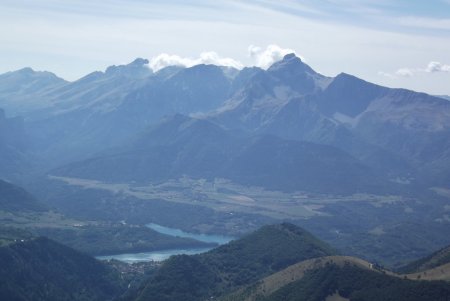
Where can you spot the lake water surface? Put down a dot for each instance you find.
(164, 254)
(218, 239)
(152, 256)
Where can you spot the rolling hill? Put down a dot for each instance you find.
(16, 199)
(434, 260)
(41, 269)
(283, 262)
(237, 263)
(339, 278)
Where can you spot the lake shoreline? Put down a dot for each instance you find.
(161, 255)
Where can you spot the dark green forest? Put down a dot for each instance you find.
(40, 269)
(358, 284)
(230, 266)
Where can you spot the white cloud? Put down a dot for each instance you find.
(210, 57)
(386, 74)
(432, 67)
(405, 72)
(265, 58)
(262, 58)
(437, 67)
(78, 37)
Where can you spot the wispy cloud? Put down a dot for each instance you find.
(210, 57)
(432, 67)
(264, 58)
(360, 37)
(425, 23)
(437, 67)
(405, 72)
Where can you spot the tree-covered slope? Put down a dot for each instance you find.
(353, 283)
(230, 266)
(339, 278)
(14, 199)
(436, 259)
(198, 148)
(109, 239)
(15, 157)
(41, 269)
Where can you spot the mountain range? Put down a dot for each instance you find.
(362, 166)
(15, 155)
(394, 134)
(198, 148)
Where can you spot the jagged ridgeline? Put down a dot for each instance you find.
(378, 132)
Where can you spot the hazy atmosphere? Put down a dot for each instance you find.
(397, 43)
(225, 150)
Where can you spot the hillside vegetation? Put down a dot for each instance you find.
(230, 266)
(16, 199)
(436, 259)
(355, 283)
(116, 239)
(41, 269)
(341, 277)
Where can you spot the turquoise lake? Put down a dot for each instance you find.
(164, 254)
(218, 239)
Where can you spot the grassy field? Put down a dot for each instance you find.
(390, 229)
(92, 237)
(225, 196)
(45, 219)
(438, 273)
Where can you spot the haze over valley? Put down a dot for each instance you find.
(177, 177)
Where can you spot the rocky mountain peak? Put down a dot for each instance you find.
(137, 68)
(291, 63)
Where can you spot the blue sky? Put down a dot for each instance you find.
(397, 43)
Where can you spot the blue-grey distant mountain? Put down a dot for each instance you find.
(24, 90)
(256, 104)
(14, 144)
(447, 97)
(401, 134)
(104, 109)
(16, 199)
(197, 148)
(410, 125)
